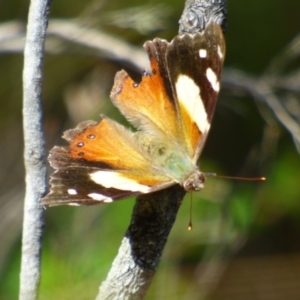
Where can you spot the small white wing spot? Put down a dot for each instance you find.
(99, 197)
(108, 200)
(212, 78)
(72, 192)
(110, 179)
(220, 53)
(202, 53)
(74, 204)
(188, 93)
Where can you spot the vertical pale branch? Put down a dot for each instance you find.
(154, 214)
(34, 149)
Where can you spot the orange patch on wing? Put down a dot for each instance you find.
(110, 143)
(146, 104)
(144, 178)
(190, 127)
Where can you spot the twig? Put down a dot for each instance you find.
(261, 89)
(34, 152)
(197, 13)
(104, 44)
(94, 42)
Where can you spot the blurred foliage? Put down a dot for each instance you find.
(230, 218)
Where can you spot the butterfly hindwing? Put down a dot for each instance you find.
(73, 186)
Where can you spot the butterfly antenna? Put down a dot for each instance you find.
(190, 226)
(235, 177)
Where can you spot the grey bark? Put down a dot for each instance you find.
(34, 150)
(141, 249)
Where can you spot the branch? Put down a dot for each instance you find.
(197, 14)
(34, 152)
(140, 251)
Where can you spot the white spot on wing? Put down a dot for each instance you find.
(188, 94)
(202, 53)
(72, 192)
(108, 200)
(212, 78)
(99, 197)
(74, 204)
(220, 53)
(116, 180)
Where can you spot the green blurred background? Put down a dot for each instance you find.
(245, 243)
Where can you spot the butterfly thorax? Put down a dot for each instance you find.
(171, 160)
(179, 166)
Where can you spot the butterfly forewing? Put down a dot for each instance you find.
(194, 64)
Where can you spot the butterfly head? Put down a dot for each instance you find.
(194, 181)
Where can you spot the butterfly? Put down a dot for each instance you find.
(171, 107)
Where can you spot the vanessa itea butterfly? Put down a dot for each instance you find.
(172, 108)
